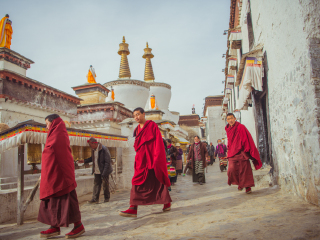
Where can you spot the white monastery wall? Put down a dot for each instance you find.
(290, 33)
(215, 125)
(128, 154)
(247, 119)
(5, 65)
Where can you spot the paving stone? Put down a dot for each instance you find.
(211, 211)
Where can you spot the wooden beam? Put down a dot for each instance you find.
(20, 186)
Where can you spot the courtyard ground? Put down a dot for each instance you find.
(211, 211)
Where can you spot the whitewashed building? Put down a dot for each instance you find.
(272, 85)
(215, 126)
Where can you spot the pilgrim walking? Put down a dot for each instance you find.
(150, 181)
(241, 148)
(59, 204)
(210, 149)
(172, 152)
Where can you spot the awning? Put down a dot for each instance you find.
(251, 78)
(34, 132)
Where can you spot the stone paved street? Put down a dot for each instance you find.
(211, 211)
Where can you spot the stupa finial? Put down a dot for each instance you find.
(148, 71)
(124, 64)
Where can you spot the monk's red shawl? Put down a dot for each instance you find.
(150, 154)
(240, 139)
(57, 172)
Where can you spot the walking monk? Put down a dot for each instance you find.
(59, 205)
(150, 181)
(241, 148)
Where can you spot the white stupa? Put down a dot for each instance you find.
(132, 93)
(161, 91)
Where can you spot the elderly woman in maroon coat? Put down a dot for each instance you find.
(197, 155)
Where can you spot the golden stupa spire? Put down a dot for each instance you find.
(148, 71)
(124, 64)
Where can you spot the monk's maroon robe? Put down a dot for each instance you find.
(241, 148)
(150, 181)
(59, 205)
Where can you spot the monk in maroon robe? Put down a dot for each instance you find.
(150, 181)
(241, 148)
(59, 205)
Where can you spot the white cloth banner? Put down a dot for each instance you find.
(251, 78)
(232, 52)
(232, 63)
(230, 79)
(235, 35)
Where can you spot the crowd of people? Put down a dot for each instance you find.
(158, 163)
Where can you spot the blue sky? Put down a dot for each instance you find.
(64, 38)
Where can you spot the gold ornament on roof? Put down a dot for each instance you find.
(148, 71)
(124, 64)
(91, 77)
(5, 32)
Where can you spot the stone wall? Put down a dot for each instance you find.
(290, 33)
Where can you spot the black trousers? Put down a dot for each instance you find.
(201, 177)
(98, 181)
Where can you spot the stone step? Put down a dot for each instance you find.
(31, 179)
(8, 180)
(14, 179)
(7, 186)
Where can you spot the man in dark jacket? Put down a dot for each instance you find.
(101, 168)
(210, 149)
